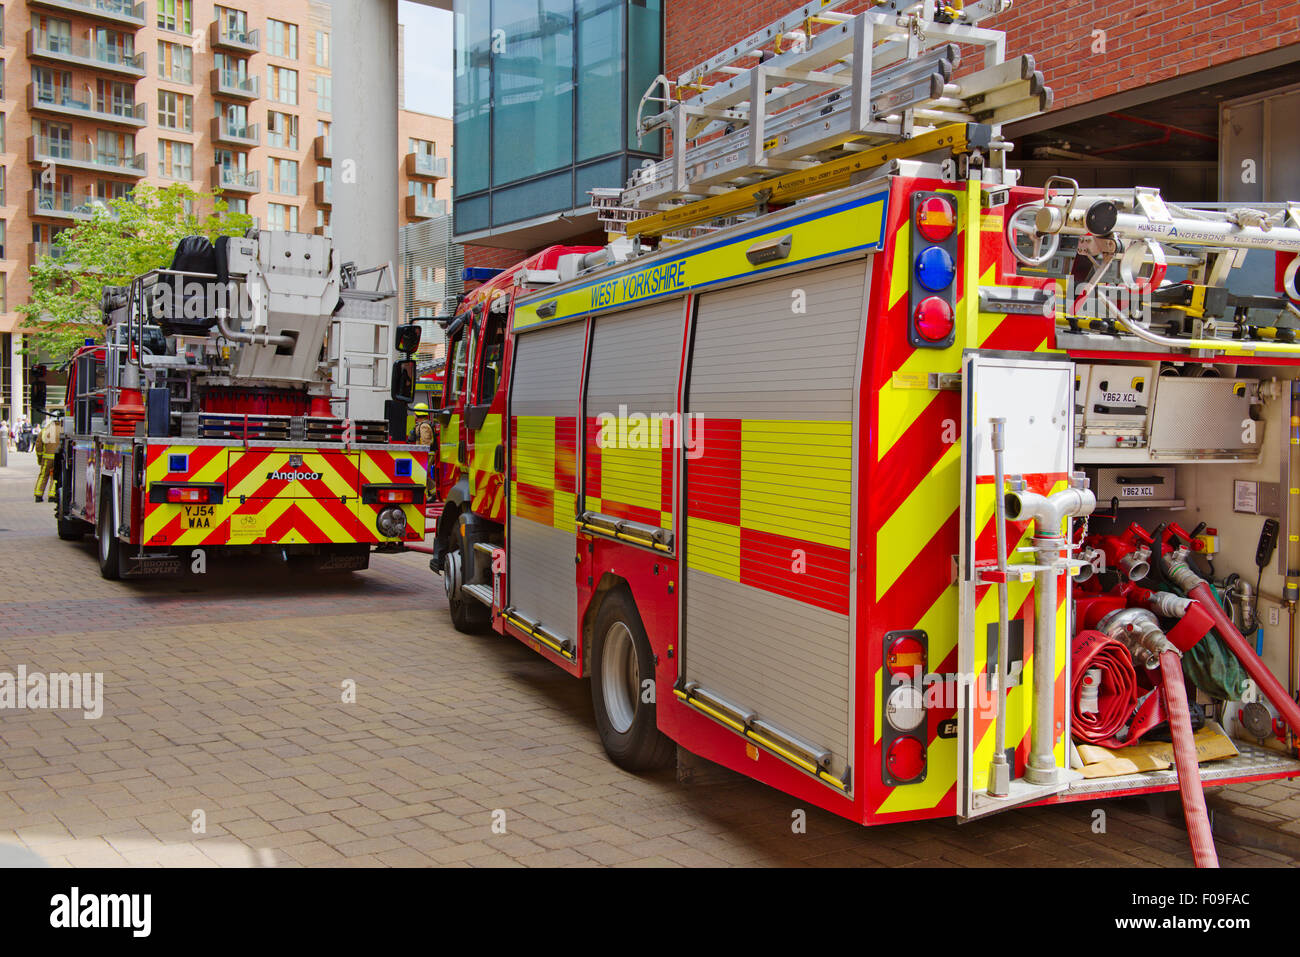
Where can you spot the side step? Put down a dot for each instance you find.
(482, 592)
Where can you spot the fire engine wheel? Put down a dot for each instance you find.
(109, 548)
(468, 615)
(70, 529)
(622, 670)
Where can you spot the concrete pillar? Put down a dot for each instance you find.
(15, 362)
(364, 215)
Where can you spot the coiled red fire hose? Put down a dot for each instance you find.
(1185, 761)
(1115, 696)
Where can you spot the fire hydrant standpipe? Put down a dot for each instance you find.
(1048, 513)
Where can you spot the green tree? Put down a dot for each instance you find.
(119, 242)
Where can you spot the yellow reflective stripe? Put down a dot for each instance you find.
(905, 533)
(534, 451)
(562, 509)
(813, 457)
(632, 476)
(900, 277)
(449, 446)
(715, 547)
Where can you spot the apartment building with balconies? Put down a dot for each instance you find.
(99, 95)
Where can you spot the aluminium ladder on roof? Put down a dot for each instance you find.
(858, 82)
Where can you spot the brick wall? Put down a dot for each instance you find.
(1145, 41)
(494, 257)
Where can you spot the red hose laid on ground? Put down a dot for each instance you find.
(1268, 685)
(1185, 761)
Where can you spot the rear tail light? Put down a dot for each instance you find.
(188, 496)
(186, 493)
(905, 728)
(395, 493)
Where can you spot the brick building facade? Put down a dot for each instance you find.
(1139, 88)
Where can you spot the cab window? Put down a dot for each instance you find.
(494, 346)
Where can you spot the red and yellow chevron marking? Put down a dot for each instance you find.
(543, 469)
(268, 501)
(629, 467)
(742, 523)
(487, 485)
(914, 508)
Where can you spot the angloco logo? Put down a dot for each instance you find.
(285, 476)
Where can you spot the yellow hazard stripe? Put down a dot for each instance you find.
(534, 451)
(714, 548)
(905, 533)
(812, 458)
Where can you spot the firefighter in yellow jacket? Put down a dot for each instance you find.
(47, 443)
(422, 434)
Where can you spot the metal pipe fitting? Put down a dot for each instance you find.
(252, 338)
(1180, 572)
(1167, 604)
(1048, 511)
(1138, 631)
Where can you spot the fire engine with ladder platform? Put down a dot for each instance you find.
(195, 426)
(855, 466)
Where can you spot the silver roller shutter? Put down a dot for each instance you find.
(635, 357)
(790, 377)
(546, 376)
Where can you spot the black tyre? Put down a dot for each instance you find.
(70, 529)
(622, 688)
(468, 615)
(109, 549)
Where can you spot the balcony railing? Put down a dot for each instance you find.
(324, 193)
(43, 149)
(243, 134)
(234, 179)
(63, 102)
(230, 83)
(117, 11)
(424, 207)
(422, 164)
(324, 148)
(36, 251)
(63, 204)
(99, 56)
(222, 36)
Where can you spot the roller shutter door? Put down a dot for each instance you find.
(547, 369)
(768, 543)
(631, 386)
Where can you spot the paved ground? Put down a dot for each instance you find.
(224, 695)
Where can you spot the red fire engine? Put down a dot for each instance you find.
(856, 467)
(195, 426)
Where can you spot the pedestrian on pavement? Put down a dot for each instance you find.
(47, 443)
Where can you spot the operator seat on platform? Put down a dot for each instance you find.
(184, 305)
